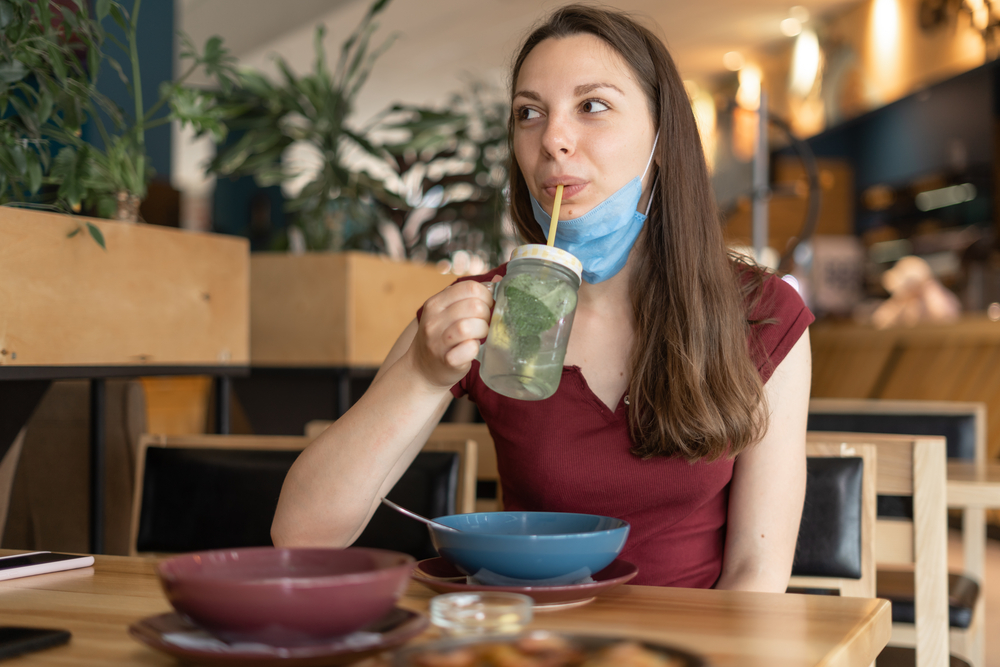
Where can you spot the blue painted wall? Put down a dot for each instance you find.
(155, 39)
(919, 136)
(913, 136)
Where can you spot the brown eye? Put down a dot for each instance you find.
(594, 106)
(526, 113)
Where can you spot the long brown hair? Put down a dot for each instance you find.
(694, 390)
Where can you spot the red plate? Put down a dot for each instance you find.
(175, 635)
(442, 577)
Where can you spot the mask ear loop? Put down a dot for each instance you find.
(652, 190)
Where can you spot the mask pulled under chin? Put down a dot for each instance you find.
(603, 237)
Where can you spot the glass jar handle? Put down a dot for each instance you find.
(492, 287)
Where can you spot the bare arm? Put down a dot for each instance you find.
(768, 487)
(337, 482)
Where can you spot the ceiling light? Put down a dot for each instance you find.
(805, 64)
(955, 194)
(791, 27)
(748, 94)
(733, 61)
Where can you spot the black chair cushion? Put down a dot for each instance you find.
(897, 587)
(894, 656)
(194, 499)
(829, 542)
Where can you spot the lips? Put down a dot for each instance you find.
(571, 186)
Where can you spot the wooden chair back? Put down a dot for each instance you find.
(963, 424)
(819, 446)
(468, 450)
(490, 498)
(913, 466)
(486, 475)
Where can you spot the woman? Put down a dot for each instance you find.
(682, 405)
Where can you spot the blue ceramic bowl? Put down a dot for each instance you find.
(530, 548)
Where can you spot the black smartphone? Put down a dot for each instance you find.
(40, 562)
(15, 641)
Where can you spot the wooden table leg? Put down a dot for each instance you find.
(223, 395)
(98, 400)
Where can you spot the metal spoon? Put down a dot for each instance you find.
(414, 515)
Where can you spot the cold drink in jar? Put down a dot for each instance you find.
(531, 322)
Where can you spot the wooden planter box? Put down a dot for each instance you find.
(333, 309)
(157, 296)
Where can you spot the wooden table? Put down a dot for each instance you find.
(974, 488)
(974, 485)
(98, 604)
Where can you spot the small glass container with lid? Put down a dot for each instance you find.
(481, 613)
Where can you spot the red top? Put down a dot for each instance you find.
(570, 453)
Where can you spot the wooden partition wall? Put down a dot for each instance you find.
(943, 362)
(953, 362)
(154, 296)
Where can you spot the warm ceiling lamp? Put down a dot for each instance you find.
(733, 61)
(791, 27)
(805, 64)
(748, 94)
(884, 42)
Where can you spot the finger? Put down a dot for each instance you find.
(459, 331)
(461, 355)
(434, 325)
(474, 308)
(468, 289)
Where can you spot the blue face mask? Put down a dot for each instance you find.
(603, 237)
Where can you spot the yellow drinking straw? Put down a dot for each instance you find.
(555, 215)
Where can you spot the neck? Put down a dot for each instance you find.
(610, 294)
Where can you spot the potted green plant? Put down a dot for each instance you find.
(385, 187)
(451, 171)
(415, 182)
(50, 59)
(141, 294)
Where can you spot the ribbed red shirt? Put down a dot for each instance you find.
(570, 453)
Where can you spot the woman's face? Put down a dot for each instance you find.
(580, 119)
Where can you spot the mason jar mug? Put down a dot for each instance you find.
(532, 317)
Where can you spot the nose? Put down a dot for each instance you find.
(558, 139)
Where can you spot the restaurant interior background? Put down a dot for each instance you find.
(897, 100)
(884, 111)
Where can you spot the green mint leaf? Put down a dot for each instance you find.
(526, 315)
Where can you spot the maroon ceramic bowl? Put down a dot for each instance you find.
(285, 597)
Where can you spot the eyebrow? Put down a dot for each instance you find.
(582, 89)
(589, 87)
